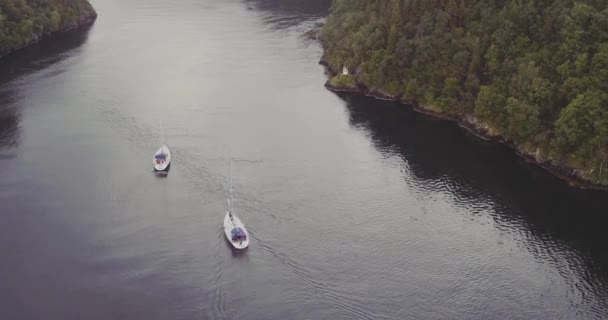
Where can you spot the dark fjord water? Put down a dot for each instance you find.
(357, 209)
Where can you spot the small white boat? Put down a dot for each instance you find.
(235, 231)
(162, 158)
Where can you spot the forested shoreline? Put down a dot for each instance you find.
(25, 22)
(534, 73)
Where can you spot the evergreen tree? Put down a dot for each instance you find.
(535, 71)
(23, 22)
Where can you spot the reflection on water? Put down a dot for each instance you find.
(299, 7)
(357, 210)
(559, 222)
(283, 14)
(21, 63)
(41, 55)
(9, 122)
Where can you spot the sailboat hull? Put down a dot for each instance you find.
(164, 164)
(231, 223)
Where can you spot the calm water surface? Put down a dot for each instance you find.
(357, 209)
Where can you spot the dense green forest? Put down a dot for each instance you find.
(23, 22)
(533, 71)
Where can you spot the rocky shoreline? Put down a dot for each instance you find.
(473, 126)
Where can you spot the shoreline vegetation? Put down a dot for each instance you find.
(529, 75)
(27, 22)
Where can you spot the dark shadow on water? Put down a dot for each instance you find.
(312, 7)
(10, 118)
(283, 14)
(21, 63)
(163, 173)
(441, 157)
(236, 253)
(41, 55)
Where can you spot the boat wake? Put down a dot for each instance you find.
(325, 290)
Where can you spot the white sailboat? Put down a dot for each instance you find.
(162, 157)
(235, 230)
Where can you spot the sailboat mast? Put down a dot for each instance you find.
(230, 187)
(162, 138)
